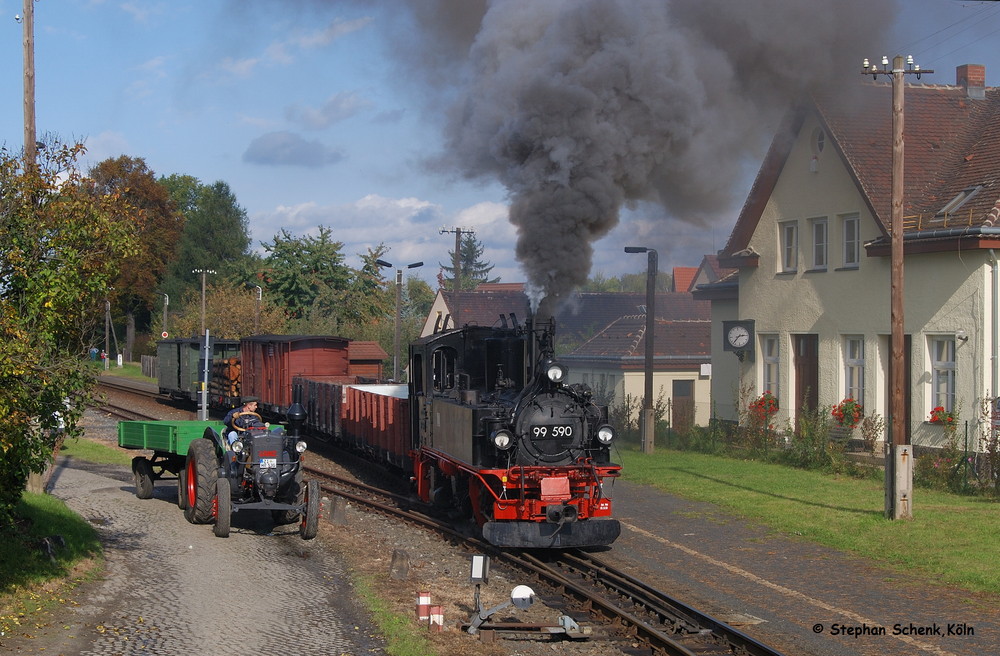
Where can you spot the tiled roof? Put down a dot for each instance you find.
(951, 143)
(358, 351)
(687, 341)
(683, 277)
(582, 315)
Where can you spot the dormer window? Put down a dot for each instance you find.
(958, 201)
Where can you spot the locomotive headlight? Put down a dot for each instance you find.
(605, 434)
(555, 372)
(300, 446)
(503, 439)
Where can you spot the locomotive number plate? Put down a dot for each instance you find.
(552, 431)
(268, 463)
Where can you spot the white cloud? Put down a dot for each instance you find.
(338, 107)
(285, 148)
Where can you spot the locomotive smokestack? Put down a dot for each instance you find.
(582, 106)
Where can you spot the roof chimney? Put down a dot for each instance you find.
(973, 78)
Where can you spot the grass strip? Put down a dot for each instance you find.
(951, 540)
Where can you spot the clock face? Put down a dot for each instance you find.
(738, 336)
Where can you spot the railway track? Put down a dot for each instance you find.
(633, 609)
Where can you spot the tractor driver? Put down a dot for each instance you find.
(249, 405)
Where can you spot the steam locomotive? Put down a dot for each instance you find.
(500, 436)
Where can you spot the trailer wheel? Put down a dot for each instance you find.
(182, 500)
(142, 472)
(309, 525)
(202, 472)
(223, 508)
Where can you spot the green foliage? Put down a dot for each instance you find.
(59, 241)
(306, 275)
(216, 234)
(629, 282)
(473, 271)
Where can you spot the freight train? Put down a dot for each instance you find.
(487, 429)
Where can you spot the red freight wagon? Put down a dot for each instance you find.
(271, 361)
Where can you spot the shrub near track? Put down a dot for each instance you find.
(952, 538)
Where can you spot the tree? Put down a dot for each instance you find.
(153, 214)
(306, 275)
(60, 245)
(216, 233)
(231, 312)
(472, 270)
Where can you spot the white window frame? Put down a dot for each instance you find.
(854, 368)
(851, 225)
(820, 243)
(788, 239)
(943, 370)
(771, 358)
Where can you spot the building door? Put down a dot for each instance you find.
(682, 405)
(806, 373)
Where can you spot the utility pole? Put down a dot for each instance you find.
(457, 271)
(899, 455)
(27, 20)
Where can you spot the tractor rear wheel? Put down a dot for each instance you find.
(223, 508)
(142, 472)
(202, 470)
(309, 525)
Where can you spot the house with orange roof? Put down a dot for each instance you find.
(807, 316)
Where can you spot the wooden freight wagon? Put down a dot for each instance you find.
(372, 418)
(180, 364)
(269, 362)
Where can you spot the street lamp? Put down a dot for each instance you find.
(648, 420)
(203, 273)
(399, 301)
(898, 502)
(256, 316)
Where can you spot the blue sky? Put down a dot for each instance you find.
(312, 114)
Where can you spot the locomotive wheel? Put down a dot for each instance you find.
(223, 508)
(201, 473)
(142, 472)
(309, 525)
(182, 488)
(297, 495)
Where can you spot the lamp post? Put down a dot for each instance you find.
(203, 273)
(648, 422)
(166, 305)
(899, 458)
(399, 302)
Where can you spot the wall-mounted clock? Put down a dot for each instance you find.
(738, 336)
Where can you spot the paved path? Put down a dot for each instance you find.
(189, 592)
(800, 597)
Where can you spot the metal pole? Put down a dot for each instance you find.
(649, 418)
(395, 341)
(166, 304)
(256, 316)
(30, 147)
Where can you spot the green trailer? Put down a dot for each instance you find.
(169, 441)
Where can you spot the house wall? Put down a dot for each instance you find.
(726, 368)
(633, 383)
(944, 292)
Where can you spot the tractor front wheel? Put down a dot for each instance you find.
(223, 508)
(201, 472)
(309, 525)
